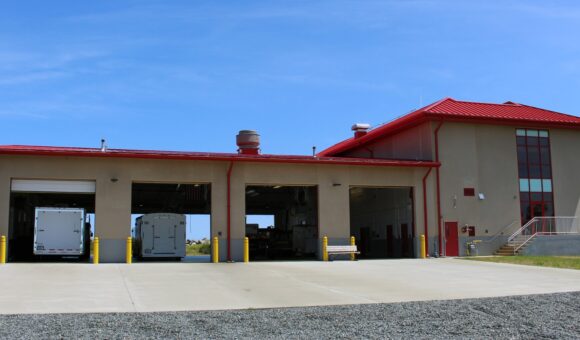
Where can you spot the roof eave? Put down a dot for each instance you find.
(223, 157)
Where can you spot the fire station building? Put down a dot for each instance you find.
(454, 171)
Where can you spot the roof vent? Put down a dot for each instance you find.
(360, 129)
(248, 142)
(103, 145)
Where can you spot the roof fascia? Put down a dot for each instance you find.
(254, 159)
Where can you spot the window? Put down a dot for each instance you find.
(535, 173)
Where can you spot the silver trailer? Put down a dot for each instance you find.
(160, 235)
(59, 231)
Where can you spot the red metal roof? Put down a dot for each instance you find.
(179, 155)
(497, 112)
(449, 109)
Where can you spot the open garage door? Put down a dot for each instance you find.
(50, 219)
(172, 221)
(381, 219)
(33, 185)
(294, 213)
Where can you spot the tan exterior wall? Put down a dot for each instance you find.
(482, 157)
(565, 148)
(411, 144)
(113, 199)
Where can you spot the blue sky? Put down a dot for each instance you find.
(187, 75)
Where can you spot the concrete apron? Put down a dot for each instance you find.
(147, 287)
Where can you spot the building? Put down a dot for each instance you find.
(454, 171)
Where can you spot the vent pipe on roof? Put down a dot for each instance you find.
(360, 129)
(103, 145)
(248, 142)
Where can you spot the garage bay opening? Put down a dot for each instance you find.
(171, 221)
(381, 219)
(282, 222)
(50, 220)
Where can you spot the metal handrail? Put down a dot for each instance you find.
(496, 241)
(519, 231)
(573, 227)
(500, 233)
(542, 233)
(524, 243)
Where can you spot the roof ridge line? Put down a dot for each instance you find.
(432, 105)
(489, 103)
(560, 113)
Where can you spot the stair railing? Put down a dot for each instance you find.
(524, 227)
(544, 225)
(494, 242)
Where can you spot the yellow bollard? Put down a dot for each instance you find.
(352, 243)
(215, 250)
(3, 249)
(246, 250)
(423, 254)
(324, 248)
(96, 250)
(129, 251)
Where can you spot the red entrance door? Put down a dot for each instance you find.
(537, 210)
(451, 239)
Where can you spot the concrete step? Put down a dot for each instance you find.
(508, 249)
(508, 253)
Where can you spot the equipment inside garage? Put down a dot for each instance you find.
(49, 219)
(160, 230)
(294, 234)
(381, 219)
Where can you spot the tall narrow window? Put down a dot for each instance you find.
(535, 173)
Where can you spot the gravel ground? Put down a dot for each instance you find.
(554, 316)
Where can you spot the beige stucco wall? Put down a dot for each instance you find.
(413, 144)
(484, 157)
(113, 199)
(481, 157)
(565, 147)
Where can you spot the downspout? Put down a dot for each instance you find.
(425, 217)
(229, 225)
(438, 185)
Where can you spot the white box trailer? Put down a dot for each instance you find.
(59, 231)
(160, 235)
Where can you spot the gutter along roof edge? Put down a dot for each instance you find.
(173, 155)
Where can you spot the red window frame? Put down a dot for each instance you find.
(534, 169)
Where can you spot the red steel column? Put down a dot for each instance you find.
(425, 216)
(438, 186)
(229, 199)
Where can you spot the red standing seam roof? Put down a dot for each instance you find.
(202, 156)
(449, 109)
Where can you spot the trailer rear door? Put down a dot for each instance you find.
(58, 231)
(164, 237)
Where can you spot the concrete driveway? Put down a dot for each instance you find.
(144, 287)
